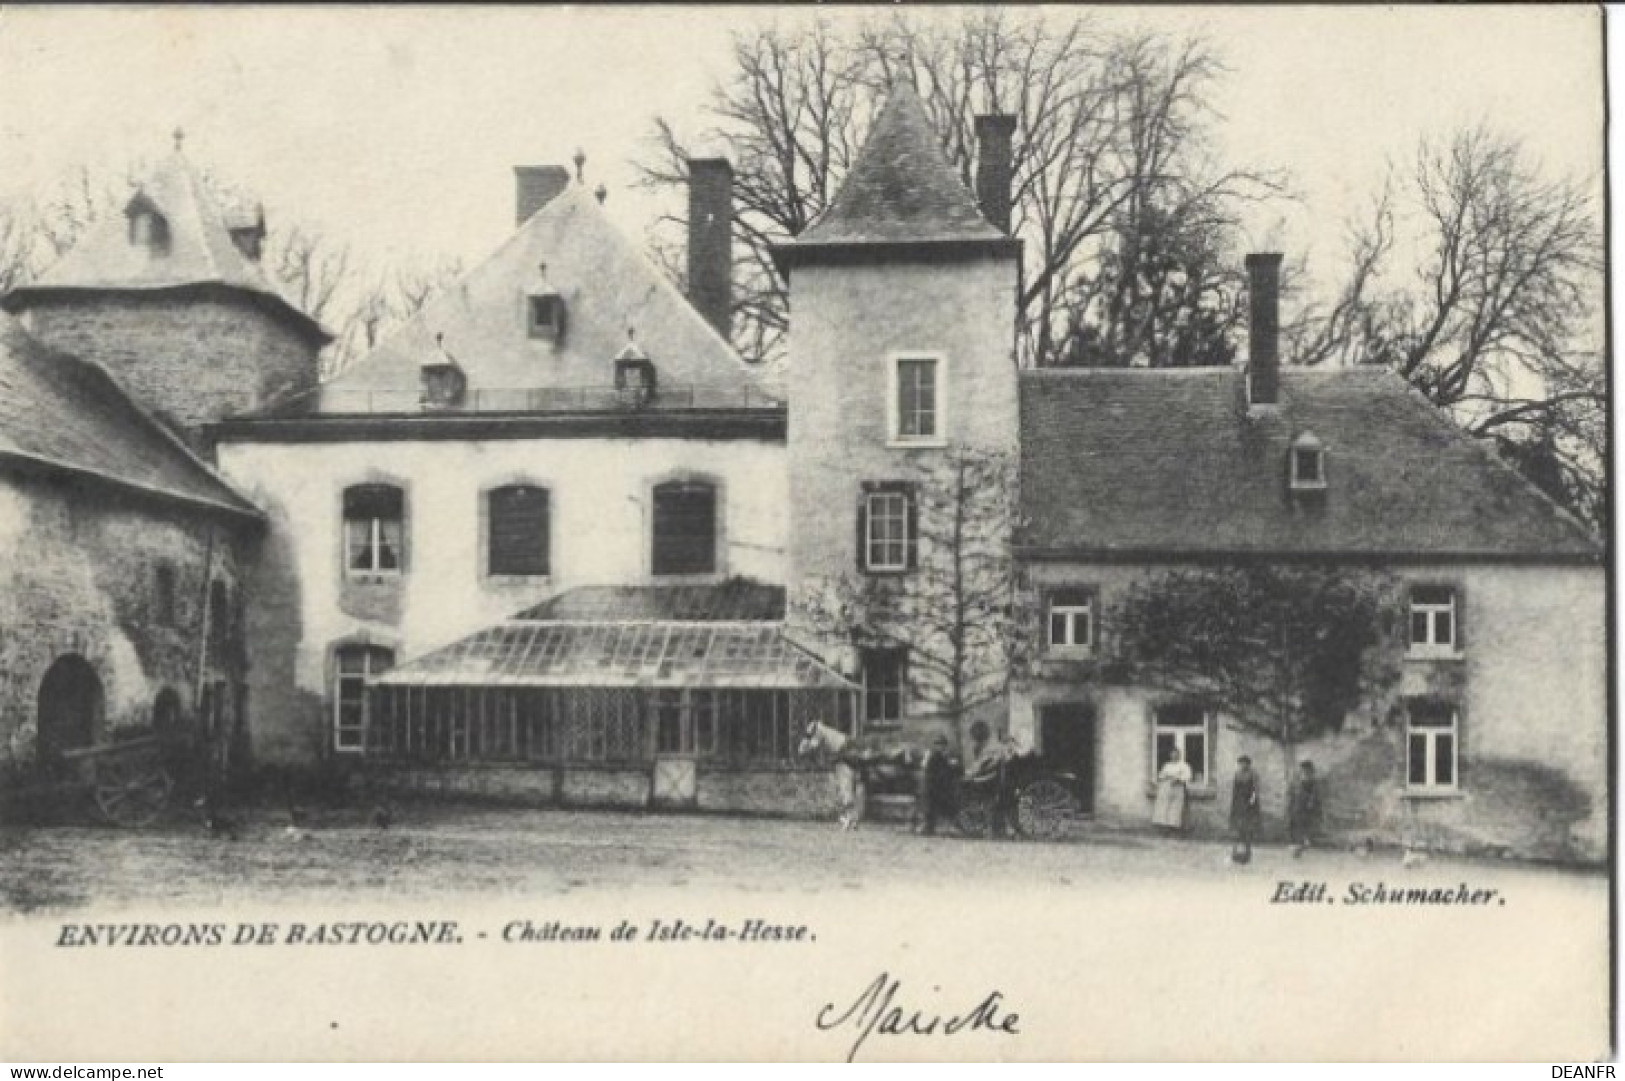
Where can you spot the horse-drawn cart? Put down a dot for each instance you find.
(1043, 799)
(125, 781)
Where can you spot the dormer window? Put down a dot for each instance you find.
(635, 375)
(444, 385)
(1307, 463)
(544, 314)
(148, 228)
(443, 381)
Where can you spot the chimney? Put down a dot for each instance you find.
(993, 134)
(1263, 328)
(535, 186)
(710, 240)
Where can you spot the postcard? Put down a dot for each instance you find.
(766, 533)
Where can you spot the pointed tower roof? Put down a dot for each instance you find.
(196, 250)
(901, 193)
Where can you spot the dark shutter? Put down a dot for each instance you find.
(863, 531)
(685, 528)
(518, 531)
(912, 493)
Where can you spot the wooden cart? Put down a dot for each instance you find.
(124, 781)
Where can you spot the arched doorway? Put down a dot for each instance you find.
(167, 719)
(70, 705)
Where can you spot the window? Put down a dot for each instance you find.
(1308, 462)
(163, 595)
(685, 528)
(887, 528)
(1183, 727)
(915, 401)
(545, 317)
(1434, 628)
(1071, 619)
(884, 671)
(517, 531)
(354, 665)
(1430, 745)
(374, 532)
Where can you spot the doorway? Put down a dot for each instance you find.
(70, 705)
(1066, 735)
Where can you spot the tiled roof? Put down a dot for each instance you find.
(611, 654)
(58, 411)
(199, 251)
(901, 190)
(608, 289)
(1168, 461)
(735, 600)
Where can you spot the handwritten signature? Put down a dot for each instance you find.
(875, 1011)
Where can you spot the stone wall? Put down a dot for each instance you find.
(78, 569)
(187, 358)
(776, 792)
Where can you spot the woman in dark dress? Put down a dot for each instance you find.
(1245, 813)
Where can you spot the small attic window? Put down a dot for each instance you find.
(635, 376)
(148, 228)
(1307, 458)
(544, 316)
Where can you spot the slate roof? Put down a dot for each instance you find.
(901, 190)
(735, 600)
(61, 413)
(199, 252)
(1167, 462)
(620, 654)
(569, 248)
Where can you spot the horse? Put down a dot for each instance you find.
(820, 741)
(856, 767)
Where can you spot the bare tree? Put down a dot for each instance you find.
(1500, 321)
(953, 612)
(1111, 143)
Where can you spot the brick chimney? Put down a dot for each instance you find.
(535, 186)
(710, 240)
(993, 135)
(1263, 328)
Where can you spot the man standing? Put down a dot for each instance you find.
(937, 775)
(1245, 813)
(1303, 815)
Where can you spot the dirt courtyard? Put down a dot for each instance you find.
(433, 850)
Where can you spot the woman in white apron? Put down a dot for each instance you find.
(1173, 784)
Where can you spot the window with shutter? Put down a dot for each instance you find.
(888, 528)
(518, 531)
(685, 528)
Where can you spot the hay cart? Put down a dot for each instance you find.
(124, 781)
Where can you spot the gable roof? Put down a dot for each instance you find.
(901, 190)
(199, 251)
(1135, 462)
(737, 599)
(62, 414)
(569, 248)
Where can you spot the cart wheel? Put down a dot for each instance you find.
(974, 817)
(1044, 809)
(131, 793)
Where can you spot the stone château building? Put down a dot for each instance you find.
(554, 540)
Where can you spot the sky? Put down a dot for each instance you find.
(396, 129)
